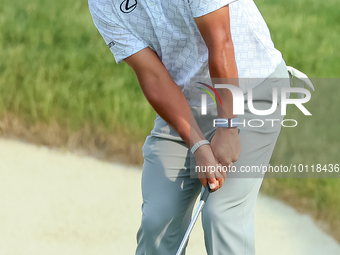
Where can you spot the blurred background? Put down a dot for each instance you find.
(60, 87)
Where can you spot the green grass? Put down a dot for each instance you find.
(55, 67)
(307, 33)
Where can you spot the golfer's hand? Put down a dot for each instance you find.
(226, 145)
(204, 159)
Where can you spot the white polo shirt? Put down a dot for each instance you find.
(168, 27)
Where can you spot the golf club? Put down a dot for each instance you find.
(203, 200)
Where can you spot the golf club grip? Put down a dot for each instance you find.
(206, 194)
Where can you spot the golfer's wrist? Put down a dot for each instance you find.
(227, 124)
(223, 130)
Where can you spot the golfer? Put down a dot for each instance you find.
(170, 44)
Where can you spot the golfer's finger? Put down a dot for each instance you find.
(213, 184)
(227, 167)
(221, 173)
(220, 178)
(221, 181)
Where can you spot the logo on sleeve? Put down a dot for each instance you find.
(128, 6)
(111, 44)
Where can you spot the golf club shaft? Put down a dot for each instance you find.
(204, 198)
(192, 223)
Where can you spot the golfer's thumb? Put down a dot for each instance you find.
(213, 183)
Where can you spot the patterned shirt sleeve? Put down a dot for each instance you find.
(121, 41)
(203, 7)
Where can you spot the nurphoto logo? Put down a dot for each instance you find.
(238, 104)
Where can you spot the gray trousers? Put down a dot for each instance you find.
(169, 193)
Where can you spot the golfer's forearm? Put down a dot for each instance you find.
(215, 30)
(164, 94)
(170, 103)
(223, 70)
